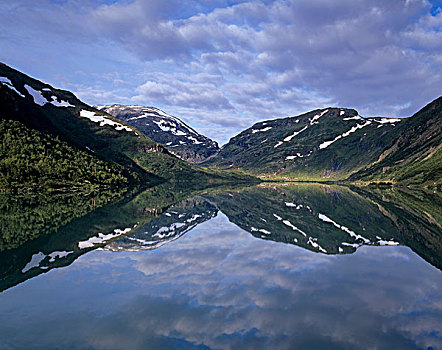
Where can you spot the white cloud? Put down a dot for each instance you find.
(246, 60)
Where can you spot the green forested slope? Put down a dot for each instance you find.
(112, 146)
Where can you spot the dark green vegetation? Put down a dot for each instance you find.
(416, 155)
(90, 147)
(30, 158)
(337, 144)
(169, 131)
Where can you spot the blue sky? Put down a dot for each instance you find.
(223, 65)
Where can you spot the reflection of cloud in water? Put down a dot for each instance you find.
(223, 288)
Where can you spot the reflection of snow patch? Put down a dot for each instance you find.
(343, 228)
(254, 229)
(102, 238)
(58, 255)
(382, 242)
(314, 244)
(354, 245)
(36, 259)
(293, 227)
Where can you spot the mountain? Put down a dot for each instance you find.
(179, 138)
(416, 155)
(322, 144)
(52, 139)
(335, 143)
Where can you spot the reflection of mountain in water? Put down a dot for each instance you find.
(172, 224)
(322, 218)
(335, 219)
(42, 232)
(326, 219)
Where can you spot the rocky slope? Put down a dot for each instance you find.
(179, 138)
(335, 143)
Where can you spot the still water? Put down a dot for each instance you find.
(268, 267)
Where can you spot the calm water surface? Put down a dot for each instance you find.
(192, 278)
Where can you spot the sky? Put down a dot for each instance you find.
(222, 65)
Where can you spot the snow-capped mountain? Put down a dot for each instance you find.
(336, 143)
(170, 131)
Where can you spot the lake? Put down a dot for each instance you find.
(274, 266)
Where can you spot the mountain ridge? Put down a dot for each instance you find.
(334, 144)
(86, 134)
(170, 131)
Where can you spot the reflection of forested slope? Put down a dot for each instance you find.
(27, 217)
(45, 232)
(417, 216)
(335, 219)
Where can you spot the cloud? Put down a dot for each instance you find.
(261, 59)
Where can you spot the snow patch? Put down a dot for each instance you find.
(194, 140)
(63, 103)
(254, 131)
(298, 155)
(92, 116)
(356, 117)
(387, 120)
(345, 134)
(36, 95)
(6, 82)
(169, 127)
(289, 138)
(317, 116)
